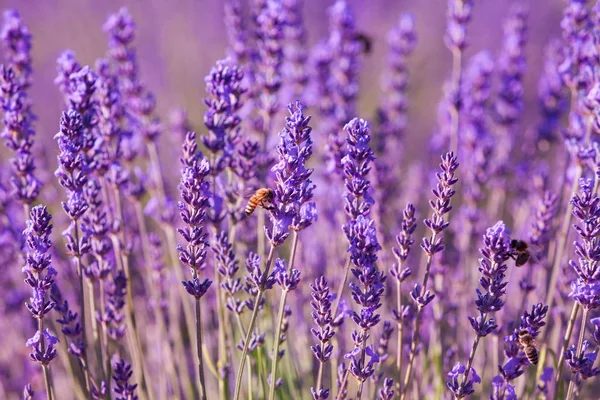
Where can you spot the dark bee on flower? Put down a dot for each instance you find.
(527, 343)
(366, 42)
(521, 252)
(262, 197)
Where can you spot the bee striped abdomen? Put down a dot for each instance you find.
(532, 354)
(251, 205)
(263, 197)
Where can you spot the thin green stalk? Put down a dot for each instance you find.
(259, 294)
(362, 362)
(566, 339)
(199, 347)
(341, 289)
(579, 347)
(79, 267)
(342, 384)
(415, 335)
(277, 339)
(560, 248)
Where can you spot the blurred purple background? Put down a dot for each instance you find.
(179, 40)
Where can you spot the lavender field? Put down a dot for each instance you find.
(287, 199)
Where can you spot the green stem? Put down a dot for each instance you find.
(199, 346)
(259, 295)
(79, 266)
(579, 347)
(277, 339)
(45, 367)
(566, 339)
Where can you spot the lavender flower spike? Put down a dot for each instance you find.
(323, 319)
(431, 246)
(40, 277)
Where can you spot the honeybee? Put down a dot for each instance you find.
(366, 42)
(527, 343)
(262, 197)
(521, 252)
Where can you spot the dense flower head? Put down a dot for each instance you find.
(582, 363)
(459, 15)
(18, 135)
(16, 41)
(122, 374)
(69, 321)
(321, 314)
(405, 241)
(38, 264)
(440, 206)
(586, 288)
(43, 347)
(294, 188)
(224, 87)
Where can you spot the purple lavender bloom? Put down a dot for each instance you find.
(586, 208)
(459, 15)
(223, 85)
(43, 347)
(387, 392)
(71, 326)
(113, 318)
(294, 189)
(459, 388)
(38, 264)
(121, 375)
(492, 266)
(582, 363)
(294, 49)
(195, 193)
(596, 333)
(513, 368)
(271, 22)
(16, 39)
(341, 85)
(321, 315)
(236, 32)
(18, 136)
(551, 93)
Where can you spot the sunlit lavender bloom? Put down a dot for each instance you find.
(195, 193)
(236, 32)
(223, 85)
(342, 80)
(582, 363)
(586, 208)
(40, 277)
(271, 22)
(16, 39)
(294, 50)
(294, 189)
(121, 375)
(69, 320)
(18, 136)
(321, 314)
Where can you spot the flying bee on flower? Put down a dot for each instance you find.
(527, 343)
(366, 42)
(522, 252)
(262, 197)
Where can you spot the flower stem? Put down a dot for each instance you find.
(579, 347)
(566, 339)
(400, 329)
(341, 289)
(277, 339)
(560, 248)
(199, 347)
(259, 295)
(79, 266)
(45, 367)
(415, 335)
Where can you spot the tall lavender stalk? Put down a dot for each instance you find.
(431, 246)
(295, 189)
(72, 174)
(400, 273)
(459, 15)
(492, 266)
(40, 277)
(195, 193)
(321, 314)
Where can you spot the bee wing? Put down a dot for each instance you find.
(533, 251)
